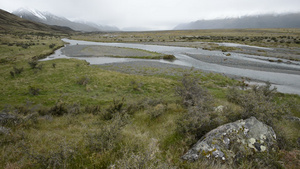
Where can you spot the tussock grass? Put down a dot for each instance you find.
(86, 117)
(258, 37)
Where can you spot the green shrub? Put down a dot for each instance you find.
(258, 102)
(199, 118)
(169, 57)
(107, 137)
(8, 120)
(62, 157)
(136, 86)
(192, 94)
(33, 63)
(16, 71)
(95, 109)
(117, 106)
(51, 45)
(12, 74)
(141, 159)
(34, 90)
(59, 109)
(155, 112)
(83, 80)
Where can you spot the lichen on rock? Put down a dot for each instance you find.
(234, 140)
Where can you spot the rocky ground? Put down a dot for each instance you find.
(166, 68)
(147, 68)
(291, 53)
(248, 64)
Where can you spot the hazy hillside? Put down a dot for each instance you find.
(50, 19)
(12, 23)
(259, 21)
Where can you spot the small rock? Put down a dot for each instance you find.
(219, 109)
(4, 130)
(293, 118)
(7, 118)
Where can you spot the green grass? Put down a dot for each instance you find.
(141, 110)
(122, 52)
(257, 37)
(60, 83)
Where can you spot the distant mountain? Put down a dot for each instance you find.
(291, 20)
(50, 19)
(10, 23)
(99, 27)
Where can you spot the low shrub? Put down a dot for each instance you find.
(34, 90)
(51, 45)
(192, 94)
(200, 117)
(62, 157)
(155, 112)
(12, 74)
(136, 86)
(92, 109)
(107, 137)
(8, 119)
(141, 159)
(117, 106)
(33, 63)
(16, 71)
(169, 57)
(25, 109)
(83, 80)
(59, 109)
(258, 102)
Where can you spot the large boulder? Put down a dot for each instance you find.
(233, 141)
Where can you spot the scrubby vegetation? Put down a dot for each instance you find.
(286, 41)
(123, 52)
(72, 115)
(258, 37)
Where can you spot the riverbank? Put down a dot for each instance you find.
(279, 52)
(283, 75)
(110, 51)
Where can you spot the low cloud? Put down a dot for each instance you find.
(152, 14)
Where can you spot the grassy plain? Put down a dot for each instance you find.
(258, 37)
(68, 114)
(285, 42)
(115, 52)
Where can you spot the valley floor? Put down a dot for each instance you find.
(66, 113)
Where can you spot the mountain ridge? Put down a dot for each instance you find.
(10, 23)
(51, 19)
(288, 20)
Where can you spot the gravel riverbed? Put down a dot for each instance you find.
(285, 75)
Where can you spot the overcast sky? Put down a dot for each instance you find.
(152, 14)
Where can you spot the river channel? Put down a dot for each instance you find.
(284, 81)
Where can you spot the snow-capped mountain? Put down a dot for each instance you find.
(50, 19)
(36, 13)
(10, 23)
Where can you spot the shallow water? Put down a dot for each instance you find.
(286, 83)
(241, 45)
